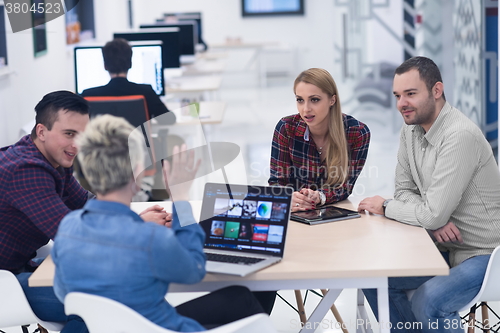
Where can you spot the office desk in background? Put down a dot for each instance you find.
(256, 58)
(357, 253)
(194, 131)
(191, 127)
(205, 67)
(210, 112)
(198, 87)
(212, 55)
(243, 45)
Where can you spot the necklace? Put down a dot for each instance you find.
(320, 148)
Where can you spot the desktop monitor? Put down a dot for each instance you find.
(188, 34)
(146, 67)
(169, 36)
(188, 16)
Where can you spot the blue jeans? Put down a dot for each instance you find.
(47, 307)
(434, 306)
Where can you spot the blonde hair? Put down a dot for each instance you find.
(109, 152)
(336, 156)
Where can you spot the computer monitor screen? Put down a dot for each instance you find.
(180, 17)
(171, 43)
(146, 67)
(272, 7)
(188, 34)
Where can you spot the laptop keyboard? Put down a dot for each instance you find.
(232, 259)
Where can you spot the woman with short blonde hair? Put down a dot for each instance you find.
(106, 249)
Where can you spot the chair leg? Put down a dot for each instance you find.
(302, 311)
(472, 319)
(25, 328)
(300, 307)
(336, 314)
(484, 315)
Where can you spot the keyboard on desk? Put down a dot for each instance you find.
(232, 259)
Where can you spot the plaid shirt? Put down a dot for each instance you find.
(34, 197)
(295, 160)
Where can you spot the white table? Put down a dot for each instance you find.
(199, 86)
(210, 112)
(357, 253)
(204, 67)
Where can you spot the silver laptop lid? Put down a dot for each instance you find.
(250, 219)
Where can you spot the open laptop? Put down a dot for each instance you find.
(245, 226)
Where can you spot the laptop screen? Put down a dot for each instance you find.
(246, 218)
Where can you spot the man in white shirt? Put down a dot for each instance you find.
(448, 182)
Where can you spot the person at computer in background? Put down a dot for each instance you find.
(106, 249)
(38, 190)
(320, 151)
(117, 55)
(447, 181)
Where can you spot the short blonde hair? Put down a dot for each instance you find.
(110, 150)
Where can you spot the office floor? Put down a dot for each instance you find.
(251, 115)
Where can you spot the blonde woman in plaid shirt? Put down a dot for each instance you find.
(320, 151)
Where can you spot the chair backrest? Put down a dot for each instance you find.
(44, 251)
(134, 109)
(490, 289)
(14, 307)
(260, 323)
(119, 318)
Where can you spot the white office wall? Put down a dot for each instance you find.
(32, 77)
(110, 16)
(313, 33)
(384, 32)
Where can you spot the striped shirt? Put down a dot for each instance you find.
(449, 174)
(296, 162)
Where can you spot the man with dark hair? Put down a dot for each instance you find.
(38, 190)
(117, 55)
(428, 70)
(447, 182)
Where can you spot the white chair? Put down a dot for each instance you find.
(104, 315)
(490, 291)
(14, 307)
(44, 251)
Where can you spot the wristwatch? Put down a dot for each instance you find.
(384, 205)
(322, 198)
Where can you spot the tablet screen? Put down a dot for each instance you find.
(325, 213)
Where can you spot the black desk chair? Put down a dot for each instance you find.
(134, 109)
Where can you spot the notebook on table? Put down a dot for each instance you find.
(245, 226)
(324, 214)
